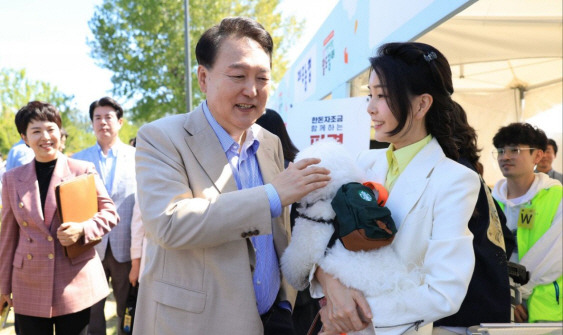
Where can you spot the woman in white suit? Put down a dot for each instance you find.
(431, 196)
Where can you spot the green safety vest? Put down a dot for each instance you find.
(545, 302)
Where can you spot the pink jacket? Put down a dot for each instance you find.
(33, 267)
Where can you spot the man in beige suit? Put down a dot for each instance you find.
(212, 192)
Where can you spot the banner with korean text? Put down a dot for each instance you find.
(345, 120)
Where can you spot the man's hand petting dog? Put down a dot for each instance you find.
(300, 179)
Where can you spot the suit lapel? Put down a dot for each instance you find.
(207, 150)
(265, 156)
(28, 192)
(413, 181)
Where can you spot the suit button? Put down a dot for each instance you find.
(49, 238)
(20, 205)
(29, 256)
(24, 224)
(29, 240)
(50, 256)
(243, 235)
(256, 232)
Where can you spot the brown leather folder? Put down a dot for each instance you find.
(77, 201)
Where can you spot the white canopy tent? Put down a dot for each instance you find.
(506, 58)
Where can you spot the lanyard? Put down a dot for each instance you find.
(556, 291)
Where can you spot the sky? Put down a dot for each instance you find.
(48, 38)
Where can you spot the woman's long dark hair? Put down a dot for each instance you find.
(410, 69)
(465, 138)
(272, 122)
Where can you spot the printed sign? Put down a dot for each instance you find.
(344, 120)
(328, 53)
(305, 76)
(340, 49)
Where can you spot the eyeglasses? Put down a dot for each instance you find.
(508, 152)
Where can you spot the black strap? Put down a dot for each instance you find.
(315, 220)
(334, 236)
(332, 222)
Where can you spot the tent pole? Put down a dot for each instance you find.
(519, 102)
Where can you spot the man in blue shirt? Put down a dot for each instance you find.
(213, 194)
(19, 154)
(115, 163)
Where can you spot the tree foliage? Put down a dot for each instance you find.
(16, 90)
(142, 42)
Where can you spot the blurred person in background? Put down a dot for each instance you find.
(272, 122)
(64, 137)
(19, 155)
(545, 164)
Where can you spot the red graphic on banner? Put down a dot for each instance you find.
(338, 137)
(327, 39)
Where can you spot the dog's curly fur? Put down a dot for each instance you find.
(374, 273)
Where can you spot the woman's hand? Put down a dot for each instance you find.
(327, 328)
(5, 298)
(347, 309)
(135, 269)
(70, 232)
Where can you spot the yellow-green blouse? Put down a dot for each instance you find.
(399, 159)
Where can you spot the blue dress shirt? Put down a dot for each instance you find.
(246, 171)
(107, 165)
(20, 154)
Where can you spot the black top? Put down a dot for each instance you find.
(44, 173)
(488, 295)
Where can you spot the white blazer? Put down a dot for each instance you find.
(431, 204)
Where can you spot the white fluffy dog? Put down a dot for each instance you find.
(374, 273)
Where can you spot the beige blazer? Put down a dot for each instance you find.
(199, 260)
(33, 267)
